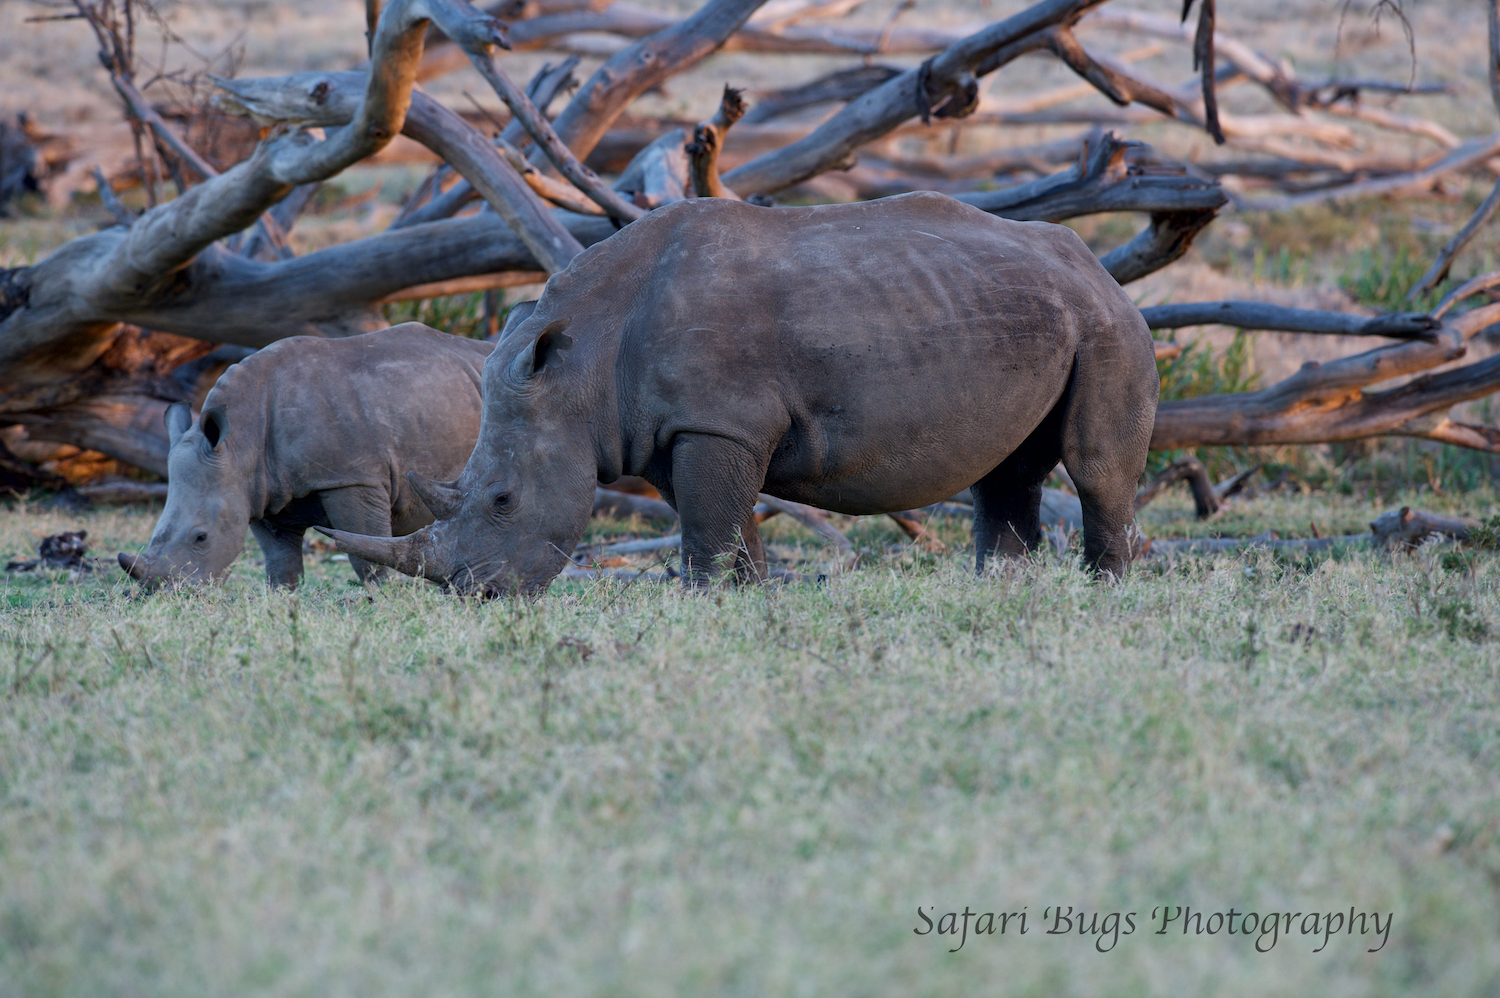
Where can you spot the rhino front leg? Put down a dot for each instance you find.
(282, 547)
(714, 485)
(360, 511)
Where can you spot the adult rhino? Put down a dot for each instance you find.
(309, 432)
(863, 358)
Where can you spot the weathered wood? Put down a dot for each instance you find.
(659, 173)
(841, 85)
(810, 517)
(642, 66)
(913, 524)
(1408, 529)
(880, 110)
(1103, 182)
(326, 99)
(708, 140)
(623, 506)
(1466, 156)
(1164, 241)
(1323, 403)
(1191, 470)
(1472, 286)
(548, 143)
(1263, 316)
(1454, 246)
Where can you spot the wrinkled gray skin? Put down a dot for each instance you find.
(863, 358)
(313, 432)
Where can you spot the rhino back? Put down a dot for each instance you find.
(358, 411)
(861, 339)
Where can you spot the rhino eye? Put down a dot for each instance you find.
(200, 537)
(502, 503)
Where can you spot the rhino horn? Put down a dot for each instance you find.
(413, 554)
(442, 499)
(138, 566)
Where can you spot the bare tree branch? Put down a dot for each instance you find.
(642, 66)
(888, 105)
(1259, 315)
(548, 142)
(327, 99)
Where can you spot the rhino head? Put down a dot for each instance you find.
(202, 528)
(509, 523)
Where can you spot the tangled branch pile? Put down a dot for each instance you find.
(99, 338)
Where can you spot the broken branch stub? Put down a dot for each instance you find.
(708, 140)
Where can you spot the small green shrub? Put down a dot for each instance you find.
(461, 315)
(1381, 280)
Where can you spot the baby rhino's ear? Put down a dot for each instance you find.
(214, 423)
(179, 417)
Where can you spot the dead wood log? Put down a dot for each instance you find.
(660, 173)
(1469, 288)
(880, 110)
(1111, 82)
(1103, 179)
(60, 317)
(432, 201)
(578, 31)
(913, 524)
(329, 99)
(1269, 539)
(1454, 246)
(1465, 157)
(1262, 316)
(1327, 402)
(810, 517)
(544, 87)
(547, 142)
(1208, 498)
(623, 506)
(708, 139)
(1164, 241)
(1408, 528)
(642, 66)
(839, 86)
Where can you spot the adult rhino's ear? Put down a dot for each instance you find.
(546, 349)
(214, 423)
(178, 418)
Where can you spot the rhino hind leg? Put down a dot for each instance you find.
(714, 485)
(282, 547)
(1008, 500)
(1106, 433)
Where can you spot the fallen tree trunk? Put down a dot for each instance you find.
(1323, 403)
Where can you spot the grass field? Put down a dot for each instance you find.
(625, 790)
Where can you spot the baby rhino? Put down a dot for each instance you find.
(313, 432)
